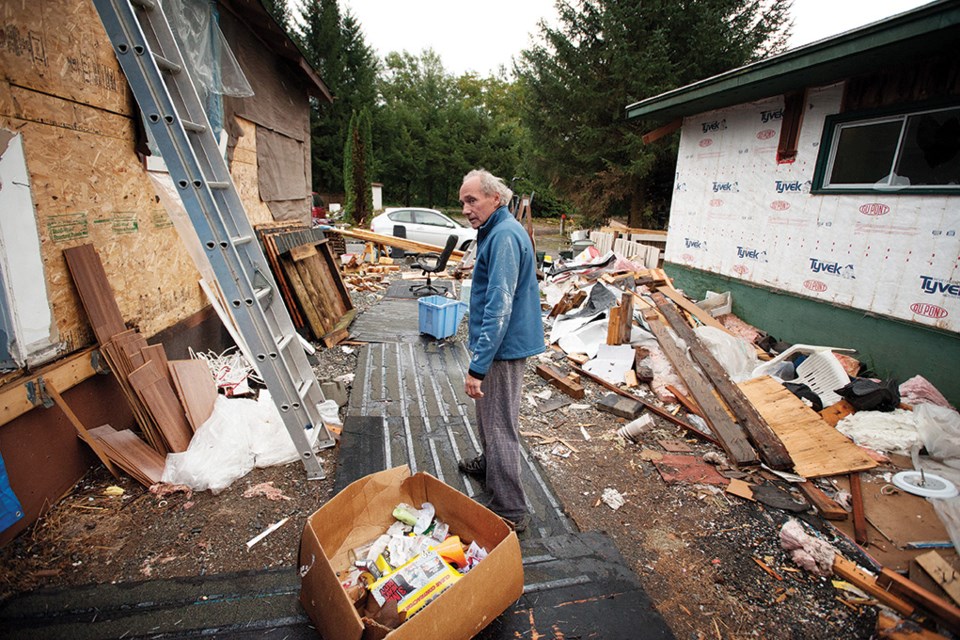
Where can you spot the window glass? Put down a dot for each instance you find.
(931, 149)
(865, 152)
(432, 219)
(402, 216)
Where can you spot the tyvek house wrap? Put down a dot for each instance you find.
(738, 213)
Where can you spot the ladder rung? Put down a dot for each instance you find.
(284, 342)
(263, 292)
(239, 240)
(218, 185)
(166, 65)
(194, 127)
(149, 5)
(304, 387)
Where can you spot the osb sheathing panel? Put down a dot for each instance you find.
(245, 175)
(59, 47)
(69, 100)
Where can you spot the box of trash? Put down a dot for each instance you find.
(440, 316)
(406, 557)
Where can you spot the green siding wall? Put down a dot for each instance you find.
(890, 348)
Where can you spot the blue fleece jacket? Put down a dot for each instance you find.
(505, 319)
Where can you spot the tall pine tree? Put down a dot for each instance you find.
(357, 155)
(606, 54)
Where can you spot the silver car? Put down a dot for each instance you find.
(422, 225)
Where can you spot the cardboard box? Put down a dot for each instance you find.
(363, 511)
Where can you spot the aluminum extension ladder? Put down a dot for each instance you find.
(153, 65)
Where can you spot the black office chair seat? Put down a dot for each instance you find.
(431, 263)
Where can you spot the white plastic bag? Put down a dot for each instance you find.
(737, 356)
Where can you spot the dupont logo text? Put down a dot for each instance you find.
(767, 116)
(833, 268)
(928, 310)
(716, 202)
(815, 285)
(687, 258)
(740, 269)
(752, 254)
(716, 125)
(779, 205)
(706, 142)
(929, 284)
(766, 134)
(874, 209)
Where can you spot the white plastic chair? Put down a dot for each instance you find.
(821, 371)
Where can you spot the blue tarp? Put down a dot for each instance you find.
(10, 509)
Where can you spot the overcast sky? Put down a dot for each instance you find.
(481, 36)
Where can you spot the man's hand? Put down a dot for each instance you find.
(472, 387)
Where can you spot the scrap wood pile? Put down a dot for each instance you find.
(169, 399)
(307, 273)
(783, 414)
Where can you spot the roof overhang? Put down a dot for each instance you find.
(908, 36)
(276, 39)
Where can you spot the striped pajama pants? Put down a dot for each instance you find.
(498, 418)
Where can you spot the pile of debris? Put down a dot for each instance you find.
(805, 415)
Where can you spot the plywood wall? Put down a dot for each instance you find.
(243, 169)
(63, 91)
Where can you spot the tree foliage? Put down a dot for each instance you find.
(357, 155)
(606, 54)
(280, 12)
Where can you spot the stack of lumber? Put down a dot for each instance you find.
(148, 381)
(309, 278)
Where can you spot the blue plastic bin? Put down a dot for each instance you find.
(440, 316)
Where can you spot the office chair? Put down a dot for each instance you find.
(431, 263)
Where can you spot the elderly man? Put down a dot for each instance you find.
(505, 329)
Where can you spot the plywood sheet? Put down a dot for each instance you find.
(152, 387)
(196, 387)
(817, 448)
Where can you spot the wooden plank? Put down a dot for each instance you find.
(892, 628)
(850, 572)
(157, 352)
(80, 428)
(196, 388)
(652, 408)
(771, 449)
(131, 454)
(661, 132)
(828, 508)
(407, 245)
(729, 434)
(942, 573)
(559, 380)
(859, 516)
(150, 384)
(63, 374)
(817, 449)
(944, 611)
(685, 402)
(95, 292)
(315, 319)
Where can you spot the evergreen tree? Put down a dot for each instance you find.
(356, 167)
(606, 54)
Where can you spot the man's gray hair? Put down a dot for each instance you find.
(491, 184)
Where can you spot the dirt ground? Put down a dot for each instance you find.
(711, 562)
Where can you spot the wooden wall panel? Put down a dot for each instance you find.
(59, 47)
(243, 169)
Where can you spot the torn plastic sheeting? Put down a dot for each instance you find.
(587, 339)
(599, 299)
(738, 358)
(239, 435)
(939, 429)
(612, 362)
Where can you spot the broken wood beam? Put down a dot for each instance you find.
(652, 408)
(80, 428)
(401, 243)
(771, 449)
(941, 572)
(559, 380)
(859, 516)
(731, 436)
(859, 578)
(945, 612)
(828, 507)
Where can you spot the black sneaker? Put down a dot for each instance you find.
(520, 523)
(476, 467)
